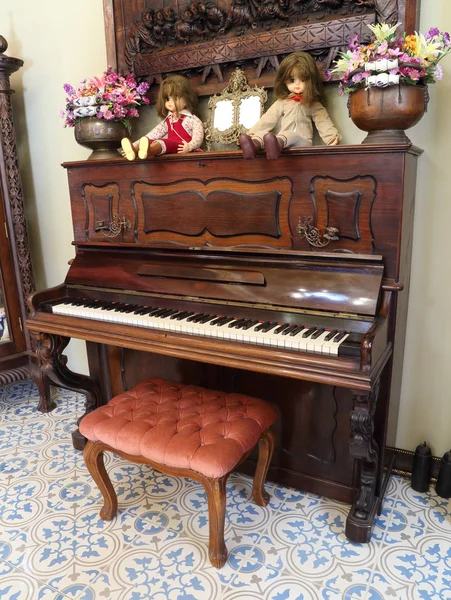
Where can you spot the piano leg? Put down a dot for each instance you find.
(46, 404)
(365, 450)
(53, 366)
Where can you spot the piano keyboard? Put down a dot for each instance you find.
(266, 333)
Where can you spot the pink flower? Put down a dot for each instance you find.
(382, 48)
(117, 97)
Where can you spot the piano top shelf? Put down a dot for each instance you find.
(341, 149)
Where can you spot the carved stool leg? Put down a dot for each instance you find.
(93, 455)
(216, 496)
(265, 451)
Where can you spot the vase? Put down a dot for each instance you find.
(387, 112)
(101, 136)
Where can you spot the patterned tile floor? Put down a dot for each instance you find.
(53, 545)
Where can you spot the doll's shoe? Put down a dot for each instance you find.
(249, 146)
(128, 149)
(143, 147)
(273, 146)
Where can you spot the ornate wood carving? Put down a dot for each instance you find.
(52, 363)
(365, 450)
(12, 176)
(153, 38)
(17, 356)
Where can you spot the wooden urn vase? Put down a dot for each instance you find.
(387, 112)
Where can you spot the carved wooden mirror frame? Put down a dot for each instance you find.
(206, 39)
(235, 95)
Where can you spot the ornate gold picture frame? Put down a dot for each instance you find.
(234, 111)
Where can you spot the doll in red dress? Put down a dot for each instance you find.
(180, 132)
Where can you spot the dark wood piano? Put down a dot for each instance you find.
(193, 268)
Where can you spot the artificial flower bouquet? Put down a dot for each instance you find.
(111, 97)
(392, 59)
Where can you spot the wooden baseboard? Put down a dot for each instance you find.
(404, 463)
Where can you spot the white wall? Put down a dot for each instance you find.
(70, 45)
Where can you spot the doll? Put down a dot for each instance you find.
(299, 92)
(180, 132)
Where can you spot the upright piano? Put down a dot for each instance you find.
(280, 279)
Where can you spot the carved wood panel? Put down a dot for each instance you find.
(101, 205)
(219, 212)
(205, 40)
(346, 204)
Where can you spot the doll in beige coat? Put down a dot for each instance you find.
(299, 92)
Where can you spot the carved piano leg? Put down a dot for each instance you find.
(365, 450)
(53, 366)
(46, 404)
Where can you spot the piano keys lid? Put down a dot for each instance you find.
(306, 281)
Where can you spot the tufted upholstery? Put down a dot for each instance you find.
(181, 425)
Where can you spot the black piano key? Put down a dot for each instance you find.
(224, 321)
(282, 328)
(179, 315)
(297, 330)
(317, 333)
(143, 310)
(268, 327)
(76, 302)
(249, 324)
(125, 309)
(170, 312)
(331, 335)
(130, 309)
(206, 318)
(340, 336)
(197, 318)
(194, 316)
(243, 324)
(289, 329)
(308, 333)
(260, 327)
(119, 307)
(184, 316)
(235, 323)
(151, 310)
(217, 320)
(158, 313)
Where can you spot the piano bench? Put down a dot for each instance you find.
(182, 430)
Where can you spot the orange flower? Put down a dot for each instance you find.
(410, 44)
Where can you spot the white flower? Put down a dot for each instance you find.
(383, 31)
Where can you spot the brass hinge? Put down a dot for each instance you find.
(6, 229)
(20, 324)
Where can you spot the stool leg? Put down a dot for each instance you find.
(265, 450)
(93, 455)
(216, 496)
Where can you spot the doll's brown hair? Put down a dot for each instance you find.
(302, 65)
(177, 87)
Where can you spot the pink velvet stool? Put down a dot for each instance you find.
(182, 430)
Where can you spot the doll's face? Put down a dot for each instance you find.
(175, 105)
(295, 85)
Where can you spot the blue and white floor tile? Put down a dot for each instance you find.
(54, 546)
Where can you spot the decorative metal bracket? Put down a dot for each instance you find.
(119, 225)
(307, 230)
